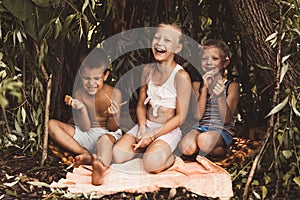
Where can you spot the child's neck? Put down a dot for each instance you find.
(165, 65)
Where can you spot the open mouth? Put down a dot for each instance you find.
(159, 50)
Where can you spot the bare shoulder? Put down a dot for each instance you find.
(182, 74)
(112, 91)
(234, 86)
(234, 89)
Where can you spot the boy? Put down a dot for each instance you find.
(96, 115)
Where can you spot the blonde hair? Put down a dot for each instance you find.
(175, 26)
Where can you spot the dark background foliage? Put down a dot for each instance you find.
(45, 38)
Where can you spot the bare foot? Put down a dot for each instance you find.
(98, 170)
(83, 159)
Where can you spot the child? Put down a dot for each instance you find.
(96, 114)
(162, 106)
(217, 101)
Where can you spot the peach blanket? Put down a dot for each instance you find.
(203, 178)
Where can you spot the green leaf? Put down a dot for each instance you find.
(23, 113)
(20, 9)
(255, 182)
(285, 58)
(57, 28)
(294, 105)
(86, 3)
(283, 71)
(3, 101)
(287, 154)
(256, 195)
(264, 67)
(278, 107)
(18, 127)
(297, 180)
(272, 36)
(264, 191)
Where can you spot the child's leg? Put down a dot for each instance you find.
(103, 159)
(98, 170)
(188, 144)
(62, 134)
(158, 157)
(211, 143)
(105, 147)
(123, 149)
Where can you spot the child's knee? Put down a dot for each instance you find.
(187, 147)
(154, 162)
(105, 139)
(51, 125)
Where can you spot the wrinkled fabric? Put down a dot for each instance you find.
(203, 178)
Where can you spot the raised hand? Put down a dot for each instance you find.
(75, 103)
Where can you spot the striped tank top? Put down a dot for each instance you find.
(211, 116)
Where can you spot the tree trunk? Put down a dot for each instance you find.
(255, 26)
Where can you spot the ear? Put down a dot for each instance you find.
(179, 48)
(227, 61)
(106, 74)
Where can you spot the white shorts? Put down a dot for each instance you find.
(172, 138)
(88, 139)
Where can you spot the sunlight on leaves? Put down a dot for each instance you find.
(297, 180)
(37, 183)
(283, 71)
(278, 107)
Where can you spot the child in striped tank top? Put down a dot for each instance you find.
(217, 100)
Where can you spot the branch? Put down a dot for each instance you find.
(46, 129)
(43, 68)
(6, 121)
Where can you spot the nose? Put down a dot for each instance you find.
(90, 82)
(159, 41)
(209, 60)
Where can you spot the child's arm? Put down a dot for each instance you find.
(114, 111)
(227, 106)
(141, 110)
(201, 102)
(82, 117)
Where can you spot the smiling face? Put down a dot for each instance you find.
(93, 79)
(213, 58)
(166, 42)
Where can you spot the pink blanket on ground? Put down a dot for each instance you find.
(203, 178)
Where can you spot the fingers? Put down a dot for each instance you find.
(136, 146)
(219, 88)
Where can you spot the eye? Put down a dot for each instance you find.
(85, 78)
(156, 37)
(98, 78)
(167, 40)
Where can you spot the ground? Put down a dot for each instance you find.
(22, 177)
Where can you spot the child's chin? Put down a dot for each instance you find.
(92, 92)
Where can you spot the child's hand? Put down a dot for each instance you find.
(211, 78)
(219, 88)
(140, 133)
(75, 103)
(114, 108)
(144, 141)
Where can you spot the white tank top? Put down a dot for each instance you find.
(163, 95)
